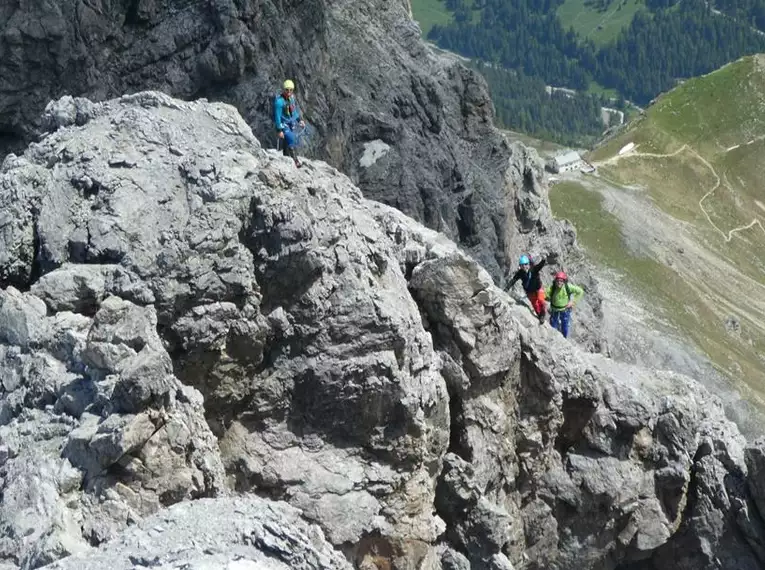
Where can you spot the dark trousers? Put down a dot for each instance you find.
(561, 320)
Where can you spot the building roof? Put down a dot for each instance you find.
(566, 158)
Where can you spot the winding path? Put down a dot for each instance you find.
(727, 237)
(631, 154)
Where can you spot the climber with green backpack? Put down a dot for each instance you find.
(562, 296)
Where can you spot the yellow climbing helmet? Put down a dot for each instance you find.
(288, 84)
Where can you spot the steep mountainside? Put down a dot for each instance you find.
(413, 129)
(185, 317)
(688, 195)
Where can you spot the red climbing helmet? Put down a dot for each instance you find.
(561, 275)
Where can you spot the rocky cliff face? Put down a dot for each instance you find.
(185, 317)
(413, 129)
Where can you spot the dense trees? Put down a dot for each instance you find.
(522, 34)
(524, 105)
(747, 11)
(672, 40)
(659, 4)
(658, 49)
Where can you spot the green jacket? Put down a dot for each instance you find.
(560, 298)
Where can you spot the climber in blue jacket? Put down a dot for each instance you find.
(286, 118)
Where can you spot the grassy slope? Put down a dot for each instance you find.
(658, 286)
(599, 232)
(710, 116)
(429, 13)
(596, 89)
(600, 27)
(705, 117)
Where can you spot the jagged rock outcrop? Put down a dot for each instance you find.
(185, 315)
(415, 129)
(235, 534)
(95, 430)
(287, 362)
(412, 127)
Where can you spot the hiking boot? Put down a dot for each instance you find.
(293, 155)
(541, 317)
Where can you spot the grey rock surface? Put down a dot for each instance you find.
(415, 130)
(185, 315)
(565, 459)
(95, 429)
(235, 534)
(273, 298)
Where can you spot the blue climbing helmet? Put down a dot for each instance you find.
(524, 260)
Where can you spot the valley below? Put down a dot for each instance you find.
(644, 261)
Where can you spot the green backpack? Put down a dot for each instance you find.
(568, 296)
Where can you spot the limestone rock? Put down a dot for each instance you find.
(196, 317)
(70, 445)
(414, 131)
(276, 297)
(235, 534)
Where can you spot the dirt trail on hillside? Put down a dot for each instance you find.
(648, 230)
(726, 236)
(635, 154)
(729, 236)
(754, 140)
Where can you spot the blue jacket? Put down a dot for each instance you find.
(286, 112)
